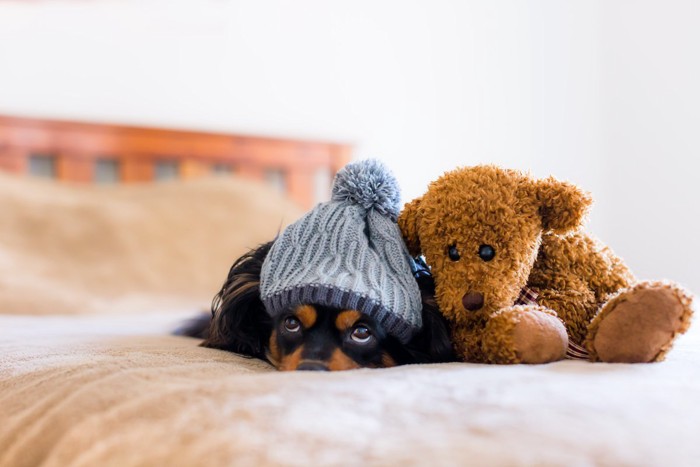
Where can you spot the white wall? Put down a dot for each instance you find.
(651, 136)
(439, 83)
(581, 90)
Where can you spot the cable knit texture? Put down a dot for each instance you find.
(348, 253)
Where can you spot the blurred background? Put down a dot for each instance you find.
(602, 93)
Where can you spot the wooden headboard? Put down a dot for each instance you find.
(106, 153)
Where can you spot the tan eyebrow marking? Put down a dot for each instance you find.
(346, 319)
(307, 315)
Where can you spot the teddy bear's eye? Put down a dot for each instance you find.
(453, 252)
(486, 252)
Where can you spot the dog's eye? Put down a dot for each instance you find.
(486, 252)
(292, 324)
(361, 335)
(453, 253)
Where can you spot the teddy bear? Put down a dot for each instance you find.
(519, 281)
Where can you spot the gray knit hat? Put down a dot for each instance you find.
(348, 253)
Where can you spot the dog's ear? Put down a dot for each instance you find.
(239, 321)
(408, 223)
(432, 344)
(561, 205)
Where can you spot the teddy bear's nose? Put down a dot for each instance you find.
(473, 301)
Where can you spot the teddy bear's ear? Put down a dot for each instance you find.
(408, 223)
(562, 206)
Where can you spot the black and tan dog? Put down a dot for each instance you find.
(312, 337)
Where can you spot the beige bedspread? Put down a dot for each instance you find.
(106, 390)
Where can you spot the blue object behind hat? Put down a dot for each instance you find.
(348, 253)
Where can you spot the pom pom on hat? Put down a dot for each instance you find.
(370, 184)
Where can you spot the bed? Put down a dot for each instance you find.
(109, 390)
(89, 377)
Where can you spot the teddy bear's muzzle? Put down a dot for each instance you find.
(473, 301)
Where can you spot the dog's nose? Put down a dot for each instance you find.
(312, 366)
(473, 301)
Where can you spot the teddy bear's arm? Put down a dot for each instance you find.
(524, 334)
(517, 334)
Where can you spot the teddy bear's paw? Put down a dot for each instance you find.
(640, 324)
(540, 338)
(526, 334)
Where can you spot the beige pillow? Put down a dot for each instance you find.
(82, 248)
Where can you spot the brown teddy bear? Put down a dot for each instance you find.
(520, 283)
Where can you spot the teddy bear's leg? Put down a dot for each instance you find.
(524, 334)
(639, 324)
(575, 306)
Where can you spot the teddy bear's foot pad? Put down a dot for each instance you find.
(640, 325)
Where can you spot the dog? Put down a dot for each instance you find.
(310, 337)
